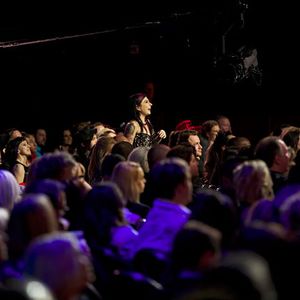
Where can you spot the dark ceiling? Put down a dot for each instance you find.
(179, 45)
(26, 20)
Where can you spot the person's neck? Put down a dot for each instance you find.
(23, 160)
(143, 119)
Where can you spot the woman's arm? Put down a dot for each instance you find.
(19, 172)
(131, 130)
(158, 136)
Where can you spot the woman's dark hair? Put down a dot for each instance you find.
(134, 101)
(103, 207)
(11, 152)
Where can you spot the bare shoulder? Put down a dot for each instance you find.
(19, 172)
(132, 127)
(133, 123)
(18, 167)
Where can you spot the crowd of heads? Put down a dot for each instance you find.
(98, 213)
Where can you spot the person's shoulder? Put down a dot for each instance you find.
(134, 123)
(18, 166)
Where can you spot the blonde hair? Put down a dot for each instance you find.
(252, 182)
(9, 190)
(126, 175)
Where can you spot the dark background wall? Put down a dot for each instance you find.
(54, 83)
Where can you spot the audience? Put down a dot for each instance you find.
(147, 220)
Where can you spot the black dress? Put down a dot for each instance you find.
(143, 139)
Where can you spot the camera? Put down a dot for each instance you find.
(237, 67)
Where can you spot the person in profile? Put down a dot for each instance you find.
(17, 159)
(139, 130)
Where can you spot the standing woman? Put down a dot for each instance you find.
(139, 130)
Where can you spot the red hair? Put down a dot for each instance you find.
(187, 125)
